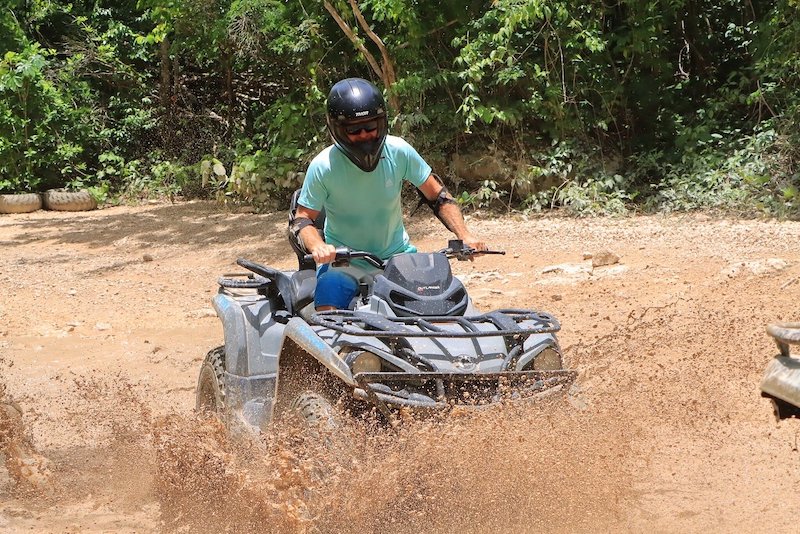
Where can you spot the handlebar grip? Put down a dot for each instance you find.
(342, 253)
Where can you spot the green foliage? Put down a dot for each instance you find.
(685, 104)
(44, 125)
(487, 195)
(585, 186)
(738, 173)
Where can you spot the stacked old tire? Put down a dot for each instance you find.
(20, 203)
(53, 199)
(59, 200)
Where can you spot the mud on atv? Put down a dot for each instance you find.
(412, 338)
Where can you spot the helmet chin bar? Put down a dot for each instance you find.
(364, 154)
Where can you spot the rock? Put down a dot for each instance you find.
(147, 257)
(556, 297)
(567, 268)
(477, 167)
(603, 258)
(203, 312)
(102, 326)
(755, 267)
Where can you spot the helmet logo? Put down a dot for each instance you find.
(362, 113)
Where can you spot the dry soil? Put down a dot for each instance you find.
(105, 317)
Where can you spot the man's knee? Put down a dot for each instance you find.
(335, 289)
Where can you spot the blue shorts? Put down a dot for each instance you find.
(334, 288)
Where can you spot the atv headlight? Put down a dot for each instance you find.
(547, 360)
(366, 362)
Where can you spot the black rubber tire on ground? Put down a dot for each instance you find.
(58, 200)
(315, 410)
(783, 409)
(210, 383)
(20, 203)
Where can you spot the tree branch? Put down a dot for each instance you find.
(388, 69)
(355, 40)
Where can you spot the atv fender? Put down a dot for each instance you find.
(307, 362)
(303, 337)
(230, 313)
(252, 337)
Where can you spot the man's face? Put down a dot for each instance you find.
(360, 131)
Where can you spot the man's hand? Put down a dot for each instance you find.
(323, 253)
(311, 240)
(473, 242)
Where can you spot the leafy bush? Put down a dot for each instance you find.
(44, 125)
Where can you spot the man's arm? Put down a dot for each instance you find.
(446, 210)
(310, 238)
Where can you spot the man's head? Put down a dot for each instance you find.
(357, 121)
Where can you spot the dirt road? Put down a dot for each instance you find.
(105, 317)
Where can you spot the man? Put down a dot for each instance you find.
(358, 181)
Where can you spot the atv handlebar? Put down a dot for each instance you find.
(344, 255)
(455, 249)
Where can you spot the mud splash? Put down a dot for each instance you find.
(513, 468)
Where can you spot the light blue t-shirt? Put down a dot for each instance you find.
(363, 209)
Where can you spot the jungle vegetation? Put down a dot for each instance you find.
(592, 106)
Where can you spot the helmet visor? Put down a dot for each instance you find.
(355, 129)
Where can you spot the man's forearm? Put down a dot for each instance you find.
(451, 217)
(310, 238)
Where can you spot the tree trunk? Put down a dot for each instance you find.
(388, 77)
(229, 93)
(385, 70)
(165, 89)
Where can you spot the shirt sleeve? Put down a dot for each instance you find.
(313, 194)
(417, 169)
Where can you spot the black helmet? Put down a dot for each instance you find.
(355, 100)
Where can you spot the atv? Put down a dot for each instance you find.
(781, 381)
(411, 339)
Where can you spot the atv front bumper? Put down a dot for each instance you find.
(439, 391)
(782, 379)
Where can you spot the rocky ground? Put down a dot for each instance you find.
(105, 317)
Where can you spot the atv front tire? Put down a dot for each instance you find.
(210, 384)
(782, 409)
(315, 410)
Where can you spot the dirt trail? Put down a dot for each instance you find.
(105, 317)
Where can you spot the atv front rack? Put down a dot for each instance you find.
(458, 389)
(507, 323)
